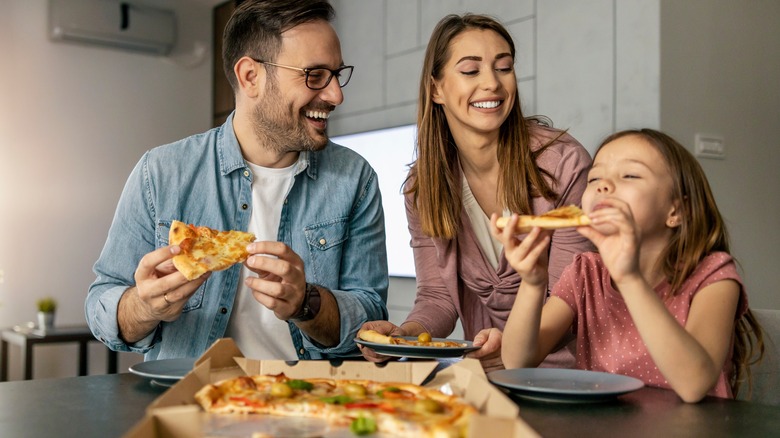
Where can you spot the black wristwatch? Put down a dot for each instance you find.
(310, 306)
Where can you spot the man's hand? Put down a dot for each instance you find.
(159, 294)
(280, 284)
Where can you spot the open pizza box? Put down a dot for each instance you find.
(175, 413)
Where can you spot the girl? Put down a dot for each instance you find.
(478, 154)
(662, 300)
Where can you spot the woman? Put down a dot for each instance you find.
(477, 155)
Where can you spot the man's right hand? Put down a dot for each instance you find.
(159, 294)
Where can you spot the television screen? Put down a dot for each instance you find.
(390, 151)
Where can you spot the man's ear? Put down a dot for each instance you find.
(435, 92)
(674, 218)
(250, 77)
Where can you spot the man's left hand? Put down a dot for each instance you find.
(280, 284)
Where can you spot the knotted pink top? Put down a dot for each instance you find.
(455, 280)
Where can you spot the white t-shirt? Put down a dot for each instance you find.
(480, 222)
(257, 331)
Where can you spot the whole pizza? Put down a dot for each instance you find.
(365, 406)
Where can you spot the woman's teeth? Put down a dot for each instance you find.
(491, 104)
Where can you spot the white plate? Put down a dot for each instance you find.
(416, 352)
(564, 385)
(164, 369)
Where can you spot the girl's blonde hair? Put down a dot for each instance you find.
(702, 231)
(432, 177)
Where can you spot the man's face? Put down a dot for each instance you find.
(290, 116)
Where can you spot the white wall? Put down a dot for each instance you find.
(721, 76)
(73, 122)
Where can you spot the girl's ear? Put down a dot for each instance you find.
(435, 93)
(674, 218)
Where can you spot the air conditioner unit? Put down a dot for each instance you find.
(124, 25)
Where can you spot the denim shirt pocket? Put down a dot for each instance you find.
(325, 240)
(161, 236)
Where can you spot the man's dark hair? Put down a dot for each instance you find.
(256, 27)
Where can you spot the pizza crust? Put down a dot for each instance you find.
(374, 336)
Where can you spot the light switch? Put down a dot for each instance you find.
(709, 146)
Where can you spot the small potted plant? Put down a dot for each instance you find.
(46, 308)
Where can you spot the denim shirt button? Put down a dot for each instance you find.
(285, 201)
(223, 310)
(246, 173)
(301, 351)
(244, 206)
(323, 241)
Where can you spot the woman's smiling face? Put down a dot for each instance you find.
(477, 86)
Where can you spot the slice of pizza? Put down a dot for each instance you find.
(204, 249)
(563, 217)
(423, 340)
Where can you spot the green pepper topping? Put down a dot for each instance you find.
(300, 384)
(363, 426)
(337, 399)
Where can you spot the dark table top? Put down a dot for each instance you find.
(109, 405)
(91, 406)
(652, 412)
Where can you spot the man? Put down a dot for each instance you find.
(318, 269)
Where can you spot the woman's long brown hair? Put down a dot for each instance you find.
(702, 231)
(432, 178)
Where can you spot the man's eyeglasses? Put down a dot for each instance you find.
(318, 78)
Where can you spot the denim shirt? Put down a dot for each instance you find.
(332, 218)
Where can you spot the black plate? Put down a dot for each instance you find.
(564, 385)
(164, 369)
(420, 352)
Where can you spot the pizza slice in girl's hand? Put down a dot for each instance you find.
(563, 217)
(204, 249)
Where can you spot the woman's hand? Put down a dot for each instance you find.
(384, 327)
(490, 353)
(528, 256)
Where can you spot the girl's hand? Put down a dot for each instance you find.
(616, 235)
(528, 256)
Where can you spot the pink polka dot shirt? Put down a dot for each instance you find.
(607, 339)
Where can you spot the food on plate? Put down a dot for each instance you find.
(364, 406)
(563, 217)
(423, 340)
(204, 249)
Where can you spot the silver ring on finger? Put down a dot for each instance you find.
(165, 297)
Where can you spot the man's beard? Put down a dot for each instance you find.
(280, 128)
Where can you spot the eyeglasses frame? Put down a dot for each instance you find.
(307, 70)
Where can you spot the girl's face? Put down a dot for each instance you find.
(633, 171)
(477, 85)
